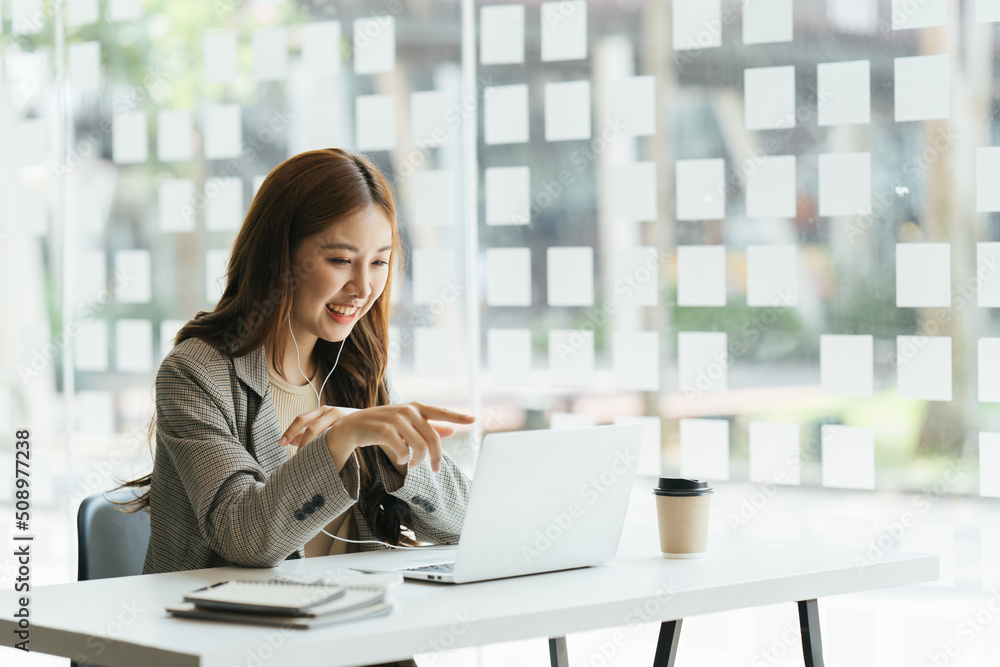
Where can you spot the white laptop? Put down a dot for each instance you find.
(541, 501)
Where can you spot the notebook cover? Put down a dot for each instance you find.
(304, 622)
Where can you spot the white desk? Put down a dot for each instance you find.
(119, 622)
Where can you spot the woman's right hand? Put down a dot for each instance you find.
(393, 427)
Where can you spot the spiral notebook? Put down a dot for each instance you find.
(269, 596)
(280, 602)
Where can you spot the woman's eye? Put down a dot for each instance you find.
(340, 261)
(381, 263)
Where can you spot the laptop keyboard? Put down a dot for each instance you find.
(446, 568)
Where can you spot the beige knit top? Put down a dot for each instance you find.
(291, 401)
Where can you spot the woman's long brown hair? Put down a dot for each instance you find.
(301, 197)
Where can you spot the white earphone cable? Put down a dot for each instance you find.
(298, 362)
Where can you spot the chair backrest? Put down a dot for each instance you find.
(111, 543)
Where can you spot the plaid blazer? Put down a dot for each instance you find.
(224, 493)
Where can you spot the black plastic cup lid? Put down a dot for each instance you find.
(682, 486)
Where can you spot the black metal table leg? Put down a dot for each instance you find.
(812, 643)
(666, 645)
(558, 655)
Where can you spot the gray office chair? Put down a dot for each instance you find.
(110, 542)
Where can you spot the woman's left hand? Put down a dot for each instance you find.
(310, 424)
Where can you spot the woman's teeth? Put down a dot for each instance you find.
(342, 310)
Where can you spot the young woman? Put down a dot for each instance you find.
(251, 467)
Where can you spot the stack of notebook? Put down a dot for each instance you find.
(284, 603)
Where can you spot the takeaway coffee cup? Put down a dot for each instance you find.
(682, 514)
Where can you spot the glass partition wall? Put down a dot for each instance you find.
(766, 230)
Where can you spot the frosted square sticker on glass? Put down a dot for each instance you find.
(637, 276)
(705, 448)
(702, 361)
(81, 12)
(988, 274)
(129, 138)
(769, 97)
(772, 276)
(564, 30)
(922, 88)
(989, 361)
(505, 114)
(910, 14)
(701, 275)
(33, 212)
(216, 263)
(633, 191)
(323, 126)
(509, 352)
(923, 367)
(91, 276)
(571, 357)
(989, 465)
(846, 365)
(433, 197)
(848, 457)
(134, 346)
(223, 134)
(375, 122)
(375, 45)
(767, 21)
(270, 54)
(844, 92)
(567, 110)
(987, 11)
(32, 141)
(501, 35)
(570, 276)
(845, 184)
(774, 453)
(923, 275)
(508, 195)
(697, 24)
(224, 203)
(220, 56)
(701, 189)
(321, 47)
(177, 205)
(433, 272)
(508, 272)
(428, 115)
(27, 17)
(987, 177)
(173, 135)
(433, 352)
(133, 276)
(91, 346)
(633, 105)
(124, 10)
(637, 360)
(84, 60)
(771, 188)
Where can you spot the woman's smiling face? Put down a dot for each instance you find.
(351, 269)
